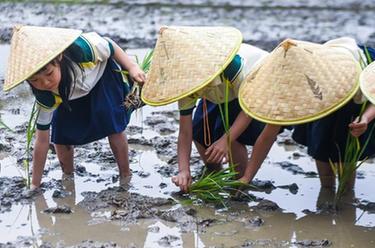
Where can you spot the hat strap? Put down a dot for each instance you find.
(206, 124)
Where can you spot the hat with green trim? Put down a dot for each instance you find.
(186, 59)
(300, 82)
(367, 82)
(32, 48)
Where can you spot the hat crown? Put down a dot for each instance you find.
(186, 59)
(299, 82)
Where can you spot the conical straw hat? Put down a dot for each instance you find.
(32, 48)
(367, 82)
(186, 59)
(299, 82)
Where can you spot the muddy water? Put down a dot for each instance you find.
(100, 209)
(141, 215)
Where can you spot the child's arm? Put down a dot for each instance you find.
(126, 63)
(358, 127)
(219, 150)
(261, 148)
(41, 147)
(185, 139)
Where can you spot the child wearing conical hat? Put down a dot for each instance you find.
(326, 138)
(75, 79)
(206, 64)
(310, 86)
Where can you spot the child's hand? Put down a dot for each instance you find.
(137, 74)
(182, 180)
(218, 151)
(357, 128)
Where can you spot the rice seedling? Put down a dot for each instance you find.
(29, 136)
(3, 125)
(216, 186)
(347, 165)
(133, 99)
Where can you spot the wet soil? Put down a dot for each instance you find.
(93, 208)
(263, 23)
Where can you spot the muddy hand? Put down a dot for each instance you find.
(182, 180)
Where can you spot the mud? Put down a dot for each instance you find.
(286, 208)
(263, 23)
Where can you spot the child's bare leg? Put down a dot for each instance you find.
(119, 146)
(65, 155)
(202, 151)
(326, 175)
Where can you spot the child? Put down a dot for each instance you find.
(78, 88)
(194, 62)
(302, 82)
(326, 138)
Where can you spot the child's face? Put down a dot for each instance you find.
(48, 78)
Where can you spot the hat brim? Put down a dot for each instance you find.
(73, 36)
(363, 86)
(302, 120)
(161, 90)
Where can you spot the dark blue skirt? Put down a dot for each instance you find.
(248, 137)
(96, 115)
(321, 136)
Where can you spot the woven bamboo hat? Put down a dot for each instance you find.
(186, 59)
(32, 48)
(299, 82)
(367, 82)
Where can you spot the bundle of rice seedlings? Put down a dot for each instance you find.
(133, 99)
(216, 187)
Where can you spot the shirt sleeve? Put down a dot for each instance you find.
(91, 47)
(47, 103)
(44, 119)
(186, 105)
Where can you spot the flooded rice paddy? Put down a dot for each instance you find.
(92, 210)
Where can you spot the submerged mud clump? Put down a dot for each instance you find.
(95, 244)
(313, 243)
(267, 205)
(295, 169)
(131, 204)
(12, 190)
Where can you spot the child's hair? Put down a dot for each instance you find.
(68, 76)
